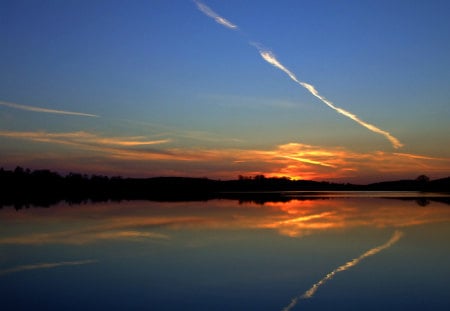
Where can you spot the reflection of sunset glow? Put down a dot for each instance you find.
(319, 215)
(153, 221)
(46, 265)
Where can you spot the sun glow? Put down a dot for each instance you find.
(160, 156)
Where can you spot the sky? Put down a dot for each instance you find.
(346, 91)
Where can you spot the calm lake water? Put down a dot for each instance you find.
(341, 251)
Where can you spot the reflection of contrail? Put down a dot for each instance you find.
(219, 19)
(45, 110)
(269, 57)
(46, 265)
(310, 292)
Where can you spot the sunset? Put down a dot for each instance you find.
(218, 89)
(224, 155)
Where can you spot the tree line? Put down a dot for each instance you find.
(24, 187)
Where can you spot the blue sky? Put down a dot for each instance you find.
(163, 70)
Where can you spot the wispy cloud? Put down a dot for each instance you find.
(46, 265)
(219, 19)
(417, 156)
(46, 110)
(310, 292)
(269, 57)
(138, 154)
(83, 138)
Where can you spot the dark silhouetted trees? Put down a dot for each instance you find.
(23, 187)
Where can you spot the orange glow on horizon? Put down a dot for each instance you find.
(131, 156)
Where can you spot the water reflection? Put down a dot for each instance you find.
(143, 220)
(310, 292)
(46, 265)
(222, 255)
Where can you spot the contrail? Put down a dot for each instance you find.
(310, 292)
(219, 19)
(46, 110)
(46, 265)
(269, 57)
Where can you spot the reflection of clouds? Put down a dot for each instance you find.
(126, 228)
(394, 239)
(307, 217)
(46, 265)
(79, 238)
(310, 292)
(303, 225)
(155, 221)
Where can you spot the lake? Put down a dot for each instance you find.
(315, 251)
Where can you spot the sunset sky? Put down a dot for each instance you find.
(348, 91)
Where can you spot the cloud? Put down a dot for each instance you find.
(46, 265)
(219, 19)
(46, 110)
(138, 155)
(114, 146)
(310, 292)
(82, 137)
(269, 57)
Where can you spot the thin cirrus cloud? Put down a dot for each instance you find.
(270, 58)
(310, 292)
(83, 138)
(131, 148)
(46, 110)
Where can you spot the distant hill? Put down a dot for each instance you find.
(437, 185)
(442, 184)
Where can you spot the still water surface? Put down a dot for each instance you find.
(321, 252)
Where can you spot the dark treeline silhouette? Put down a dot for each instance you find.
(24, 187)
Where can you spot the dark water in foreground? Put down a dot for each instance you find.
(345, 252)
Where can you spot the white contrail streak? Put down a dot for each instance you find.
(46, 110)
(269, 57)
(46, 265)
(219, 19)
(310, 292)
